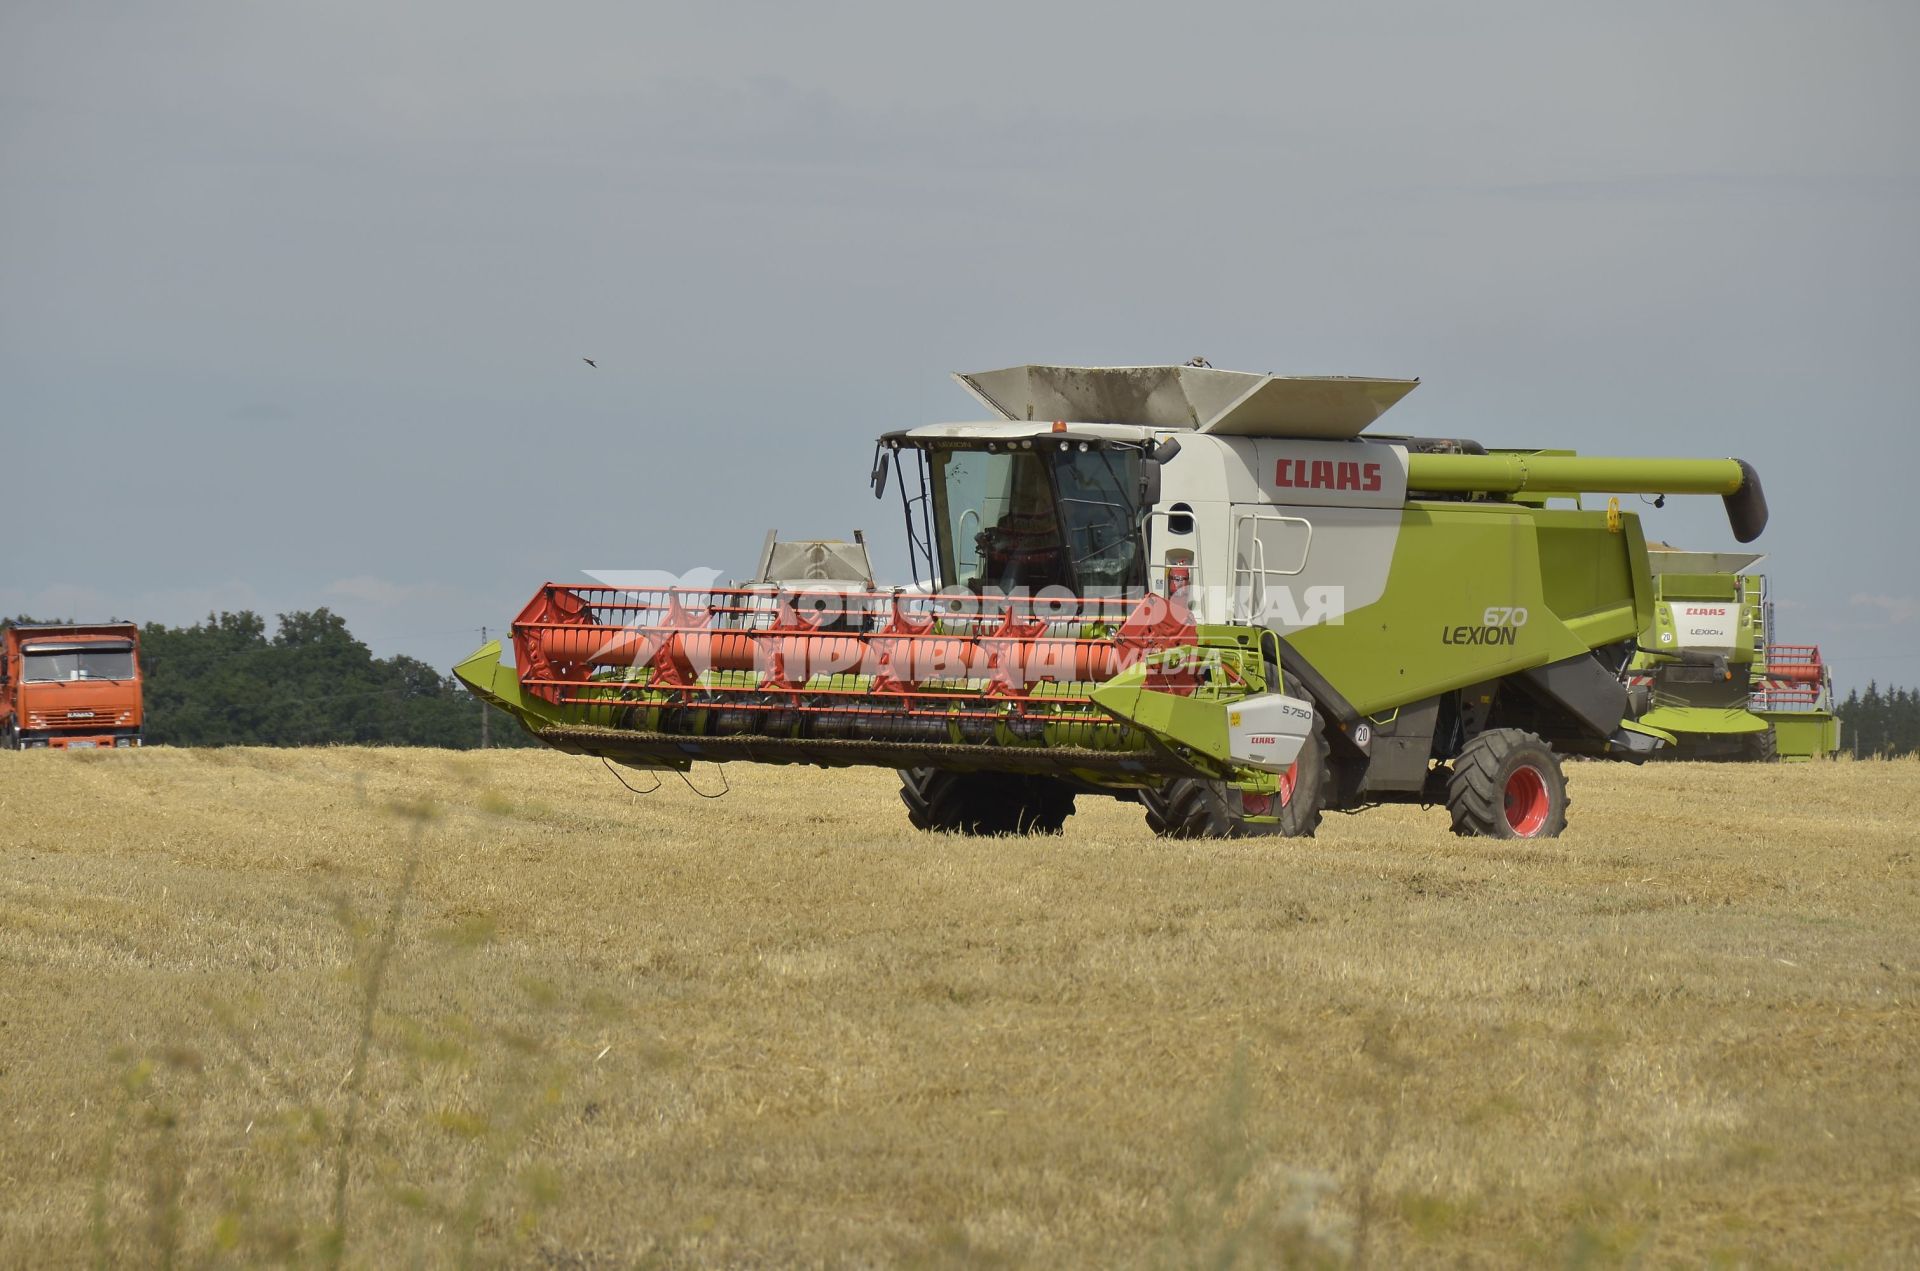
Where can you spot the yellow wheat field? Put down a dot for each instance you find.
(782, 1028)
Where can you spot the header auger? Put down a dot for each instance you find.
(1202, 590)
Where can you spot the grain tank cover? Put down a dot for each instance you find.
(1240, 403)
(1673, 560)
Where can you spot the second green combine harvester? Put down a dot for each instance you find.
(1211, 592)
(1709, 671)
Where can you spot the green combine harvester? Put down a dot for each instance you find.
(1214, 593)
(1708, 671)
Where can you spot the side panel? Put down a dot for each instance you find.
(1595, 582)
(1401, 745)
(9, 676)
(1464, 602)
(1350, 494)
(1296, 567)
(1800, 736)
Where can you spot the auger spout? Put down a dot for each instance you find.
(1734, 480)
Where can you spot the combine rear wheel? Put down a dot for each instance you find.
(1507, 784)
(1189, 808)
(984, 802)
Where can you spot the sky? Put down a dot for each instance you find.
(293, 298)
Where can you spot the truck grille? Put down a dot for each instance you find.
(91, 718)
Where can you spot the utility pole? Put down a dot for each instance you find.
(483, 705)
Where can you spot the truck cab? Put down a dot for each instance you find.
(71, 687)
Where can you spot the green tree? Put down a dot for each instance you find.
(225, 682)
(1881, 722)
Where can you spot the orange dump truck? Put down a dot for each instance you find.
(71, 687)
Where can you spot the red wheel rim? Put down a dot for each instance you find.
(1527, 801)
(1268, 804)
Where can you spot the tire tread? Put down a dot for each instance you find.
(1194, 808)
(982, 803)
(1476, 790)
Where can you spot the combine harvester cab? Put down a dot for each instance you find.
(1203, 590)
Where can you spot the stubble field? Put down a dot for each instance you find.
(415, 1007)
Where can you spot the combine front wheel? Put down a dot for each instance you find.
(984, 802)
(1189, 808)
(1507, 784)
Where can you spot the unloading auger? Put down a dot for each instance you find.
(1203, 590)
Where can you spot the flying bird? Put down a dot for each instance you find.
(590, 362)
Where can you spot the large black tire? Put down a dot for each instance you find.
(984, 802)
(1190, 808)
(1764, 747)
(1507, 784)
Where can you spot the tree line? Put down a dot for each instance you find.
(227, 682)
(1883, 722)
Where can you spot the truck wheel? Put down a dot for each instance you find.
(1507, 784)
(984, 802)
(1190, 808)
